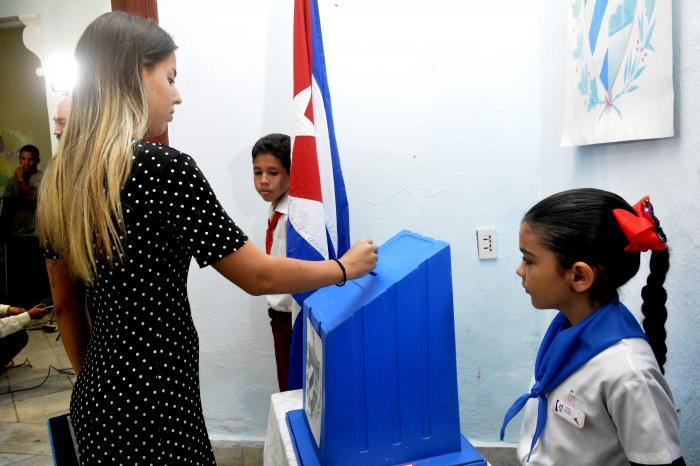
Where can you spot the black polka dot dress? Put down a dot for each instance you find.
(136, 400)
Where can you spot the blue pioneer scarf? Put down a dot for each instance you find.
(565, 348)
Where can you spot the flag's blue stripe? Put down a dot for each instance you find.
(341, 199)
(299, 248)
(596, 21)
(295, 376)
(331, 248)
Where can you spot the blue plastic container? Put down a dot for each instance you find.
(381, 378)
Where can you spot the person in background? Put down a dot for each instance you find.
(13, 337)
(26, 278)
(21, 192)
(60, 118)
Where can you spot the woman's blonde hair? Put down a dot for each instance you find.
(79, 214)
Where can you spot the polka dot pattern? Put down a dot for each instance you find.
(136, 400)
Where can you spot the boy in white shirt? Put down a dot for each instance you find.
(271, 164)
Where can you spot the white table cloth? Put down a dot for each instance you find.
(279, 450)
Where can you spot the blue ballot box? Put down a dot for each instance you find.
(380, 385)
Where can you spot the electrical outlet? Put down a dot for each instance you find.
(486, 243)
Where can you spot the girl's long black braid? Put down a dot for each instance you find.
(654, 305)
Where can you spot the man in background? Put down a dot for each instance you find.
(21, 192)
(60, 118)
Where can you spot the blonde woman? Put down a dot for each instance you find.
(122, 219)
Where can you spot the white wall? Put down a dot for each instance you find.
(448, 117)
(61, 22)
(439, 132)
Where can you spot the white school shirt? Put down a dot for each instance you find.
(629, 414)
(281, 302)
(12, 324)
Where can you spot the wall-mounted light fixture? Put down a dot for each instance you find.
(61, 71)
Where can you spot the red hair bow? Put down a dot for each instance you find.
(642, 230)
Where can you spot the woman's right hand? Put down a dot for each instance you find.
(360, 258)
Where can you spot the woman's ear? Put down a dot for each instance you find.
(581, 277)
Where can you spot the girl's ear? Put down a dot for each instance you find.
(581, 277)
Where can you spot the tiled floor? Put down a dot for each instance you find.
(23, 436)
(23, 414)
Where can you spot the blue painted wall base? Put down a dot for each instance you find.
(306, 452)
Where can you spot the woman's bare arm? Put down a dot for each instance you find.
(257, 273)
(69, 311)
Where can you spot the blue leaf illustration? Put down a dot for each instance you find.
(579, 45)
(583, 82)
(619, 113)
(576, 8)
(582, 88)
(628, 69)
(639, 72)
(623, 16)
(641, 27)
(594, 90)
(592, 104)
(650, 47)
(632, 88)
(649, 34)
(602, 113)
(649, 4)
(593, 100)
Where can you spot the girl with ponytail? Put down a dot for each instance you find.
(599, 396)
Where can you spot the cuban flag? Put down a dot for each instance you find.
(318, 224)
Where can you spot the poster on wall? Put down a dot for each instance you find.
(619, 71)
(10, 143)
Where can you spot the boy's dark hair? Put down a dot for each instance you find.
(579, 225)
(276, 144)
(34, 150)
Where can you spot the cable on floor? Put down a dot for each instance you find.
(66, 371)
